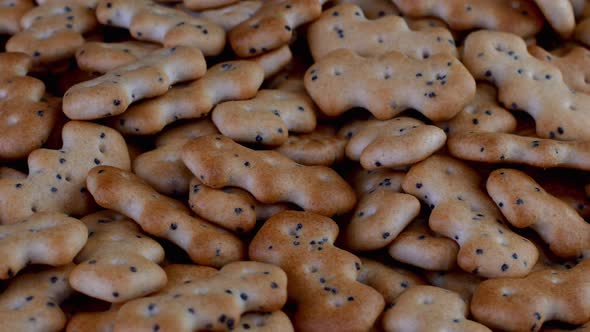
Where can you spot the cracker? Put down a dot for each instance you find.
(345, 26)
(516, 16)
(322, 277)
(573, 64)
(525, 304)
(152, 76)
(482, 114)
(391, 282)
(209, 299)
(57, 178)
(528, 84)
(52, 31)
(392, 143)
(268, 175)
(207, 4)
(378, 219)
(43, 238)
(526, 204)
(511, 148)
(419, 246)
(438, 87)
(272, 62)
(560, 15)
(373, 9)
(463, 212)
(158, 215)
(229, 16)
(272, 26)
(11, 13)
(457, 281)
(31, 301)
(163, 168)
(119, 262)
(14, 64)
(170, 27)
(321, 147)
(101, 58)
(232, 80)
(231, 208)
(428, 308)
(267, 118)
(26, 119)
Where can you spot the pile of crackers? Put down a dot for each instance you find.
(294, 165)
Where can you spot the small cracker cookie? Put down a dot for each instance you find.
(231, 80)
(528, 84)
(463, 212)
(438, 87)
(345, 26)
(31, 301)
(152, 76)
(119, 262)
(207, 298)
(101, 58)
(428, 308)
(161, 216)
(322, 277)
(43, 238)
(520, 17)
(269, 176)
(57, 178)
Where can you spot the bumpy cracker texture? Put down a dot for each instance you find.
(365, 181)
(230, 80)
(272, 62)
(560, 14)
(322, 277)
(162, 167)
(207, 4)
(321, 147)
(525, 304)
(267, 118)
(268, 175)
(511, 148)
(345, 26)
(230, 16)
(57, 178)
(419, 246)
(31, 301)
(103, 57)
(463, 212)
(26, 119)
(52, 31)
(520, 17)
(528, 84)
(372, 8)
(378, 219)
(438, 87)
(428, 308)
(158, 215)
(211, 300)
(265, 322)
(231, 208)
(152, 76)
(482, 114)
(526, 204)
(392, 143)
(119, 262)
(460, 282)
(11, 13)
(14, 64)
(272, 26)
(390, 281)
(574, 65)
(44, 238)
(100, 321)
(148, 21)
